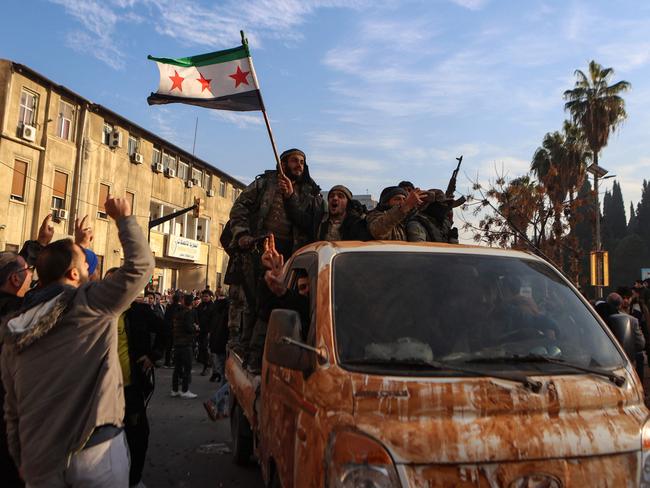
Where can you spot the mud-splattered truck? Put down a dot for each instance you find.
(440, 366)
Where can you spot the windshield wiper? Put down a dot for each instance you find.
(534, 386)
(618, 380)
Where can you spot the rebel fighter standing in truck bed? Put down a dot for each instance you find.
(260, 210)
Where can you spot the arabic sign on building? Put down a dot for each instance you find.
(183, 248)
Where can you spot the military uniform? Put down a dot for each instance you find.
(259, 210)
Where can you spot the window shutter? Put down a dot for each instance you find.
(60, 184)
(20, 175)
(103, 195)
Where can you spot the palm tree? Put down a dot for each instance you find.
(560, 165)
(596, 107)
(551, 165)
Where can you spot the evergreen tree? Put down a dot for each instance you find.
(614, 225)
(632, 225)
(643, 214)
(606, 231)
(625, 265)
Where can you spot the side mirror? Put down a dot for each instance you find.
(621, 326)
(279, 351)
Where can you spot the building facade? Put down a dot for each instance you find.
(62, 154)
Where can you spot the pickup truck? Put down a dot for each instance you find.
(433, 365)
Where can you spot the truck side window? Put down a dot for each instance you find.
(302, 281)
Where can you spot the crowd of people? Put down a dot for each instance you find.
(79, 350)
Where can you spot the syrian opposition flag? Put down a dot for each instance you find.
(223, 80)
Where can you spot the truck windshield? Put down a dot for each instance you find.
(394, 309)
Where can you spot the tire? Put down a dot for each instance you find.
(242, 437)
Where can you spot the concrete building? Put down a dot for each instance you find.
(62, 154)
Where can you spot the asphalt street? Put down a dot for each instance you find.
(187, 449)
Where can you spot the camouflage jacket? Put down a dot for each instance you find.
(388, 225)
(422, 228)
(249, 211)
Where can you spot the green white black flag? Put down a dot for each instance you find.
(223, 80)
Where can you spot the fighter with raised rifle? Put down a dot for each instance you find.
(434, 221)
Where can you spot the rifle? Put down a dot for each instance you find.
(451, 187)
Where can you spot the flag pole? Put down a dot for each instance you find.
(244, 42)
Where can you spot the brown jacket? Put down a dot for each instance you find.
(61, 370)
(388, 225)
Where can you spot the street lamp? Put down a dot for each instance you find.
(598, 172)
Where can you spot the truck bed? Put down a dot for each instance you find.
(245, 388)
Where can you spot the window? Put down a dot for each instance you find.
(106, 135)
(27, 113)
(219, 280)
(222, 189)
(19, 180)
(235, 193)
(197, 175)
(183, 170)
(104, 191)
(203, 230)
(207, 180)
(134, 144)
(65, 123)
(155, 156)
(59, 190)
(168, 161)
(130, 196)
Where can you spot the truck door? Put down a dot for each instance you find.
(282, 388)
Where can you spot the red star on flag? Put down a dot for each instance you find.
(240, 77)
(177, 81)
(205, 83)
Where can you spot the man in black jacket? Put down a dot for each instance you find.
(344, 219)
(135, 327)
(205, 313)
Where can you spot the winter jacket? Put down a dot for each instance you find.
(249, 211)
(140, 323)
(388, 224)
(219, 326)
(422, 228)
(60, 365)
(184, 320)
(314, 219)
(205, 312)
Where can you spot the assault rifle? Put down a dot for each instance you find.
(451, 187)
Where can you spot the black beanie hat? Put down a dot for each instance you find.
(289, 152)
(390, 192)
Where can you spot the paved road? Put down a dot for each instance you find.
(186, 447)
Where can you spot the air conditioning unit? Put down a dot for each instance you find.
(190, 183)
(136, 158)
(195, 181)
(210, 192)
(115, 139)
(158, 168)
(170, 173)
(28, 133)
(62, 214)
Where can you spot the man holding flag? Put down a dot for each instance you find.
(260, 210)
(226, 80)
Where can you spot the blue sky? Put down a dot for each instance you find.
(374, 91)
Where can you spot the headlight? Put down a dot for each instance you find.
(645, 456)
(358, 461)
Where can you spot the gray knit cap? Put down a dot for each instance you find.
(342, 189)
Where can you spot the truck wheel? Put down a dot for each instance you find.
(242, 436)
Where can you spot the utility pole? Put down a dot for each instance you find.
(599, 173)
